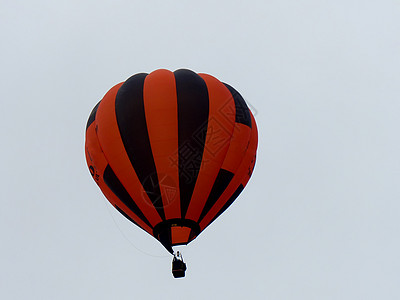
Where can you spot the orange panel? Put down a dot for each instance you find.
(237, 147)
(180, 235)
(160, 103)
(114, 151)
(219, 132)
(97, 164)
(242, 176)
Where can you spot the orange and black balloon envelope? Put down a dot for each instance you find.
(171, 151)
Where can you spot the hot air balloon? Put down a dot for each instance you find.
(171, 151)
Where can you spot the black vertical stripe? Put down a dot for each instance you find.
(165, 237)
(131, 118)
(193, 111)
(193, 234)
(112, 181)
(228, 203)
(126, 216)
(242, 111)
(224, 177)
(92, 116)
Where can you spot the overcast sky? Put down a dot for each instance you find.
(319, 219)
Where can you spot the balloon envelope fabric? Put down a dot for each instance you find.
(171, 151)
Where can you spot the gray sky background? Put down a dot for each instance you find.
(318, 220)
